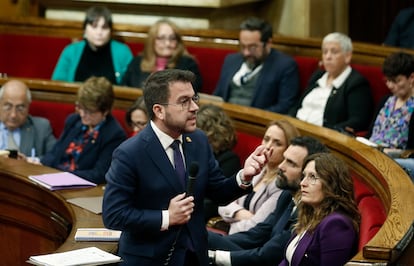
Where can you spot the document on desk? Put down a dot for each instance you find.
(93, 204)
(84, 256)
(61, 180)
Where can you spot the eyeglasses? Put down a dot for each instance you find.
(85, 110)
(138, 124)
(20, 108)
(185, 102)
(311, 178)
(251, 47)
(164, 38)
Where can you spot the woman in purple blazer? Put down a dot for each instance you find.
(327, 229)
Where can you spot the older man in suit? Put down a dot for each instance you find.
(265, 243)
(31, 136)
(259, 76)
(145, 193)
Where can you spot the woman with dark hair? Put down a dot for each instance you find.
(326, 232)
(393, 126)
(136, 116)
(97, 54)
(164, 48)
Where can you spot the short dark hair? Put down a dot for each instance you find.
(94, 13)
(253, 24)
(139, 104)
(157, 86)
(312, 145)
(399, 63)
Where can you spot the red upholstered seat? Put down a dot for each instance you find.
(246, 144)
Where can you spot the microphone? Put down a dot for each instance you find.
(192, 176)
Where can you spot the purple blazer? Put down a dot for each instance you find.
(333, 242)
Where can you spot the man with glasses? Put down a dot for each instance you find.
(149, 196)
(265, 243)
(30, 136)
(259, 76)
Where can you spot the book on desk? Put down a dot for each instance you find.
(97, 234)
(61, 180)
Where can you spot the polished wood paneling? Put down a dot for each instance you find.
(34, 220)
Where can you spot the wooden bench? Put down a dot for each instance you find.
(33, 46)
(383, 189)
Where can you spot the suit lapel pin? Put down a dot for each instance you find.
(188, 139)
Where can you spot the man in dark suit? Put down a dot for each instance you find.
(265, 243)
(145, 194)
(259, 76)
(18, 129)
(401, 33)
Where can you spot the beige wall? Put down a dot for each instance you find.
(307, 18)
(299, 18)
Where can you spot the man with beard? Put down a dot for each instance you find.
(265, 243)
(145, 196)
(259, 76)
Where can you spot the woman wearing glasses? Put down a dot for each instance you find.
(90, 135)
(326, 232)
(163, 49)
(136, 116)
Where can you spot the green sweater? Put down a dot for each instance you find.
(69, 59)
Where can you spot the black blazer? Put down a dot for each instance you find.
(134, 77)
(350, 105)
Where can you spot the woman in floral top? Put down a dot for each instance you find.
(393, 126)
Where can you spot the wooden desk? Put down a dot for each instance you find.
(34, 220)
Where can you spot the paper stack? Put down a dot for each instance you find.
(84, 256)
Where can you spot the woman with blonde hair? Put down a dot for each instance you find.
(163, 48)
(251, 209)
(326, 232)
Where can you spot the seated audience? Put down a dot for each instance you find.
(326, 232)
(90, 135)
(30, 136)
(97, 54)
(401, 33)
(264, 243)
(393, 128)
(136, 116)
(337, 97)
(222, 137)
(251, 209)
(164, 48)
(259, 76)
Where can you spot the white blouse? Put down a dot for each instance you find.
(314, 103)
